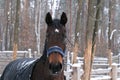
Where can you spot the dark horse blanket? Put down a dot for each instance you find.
(20, 69)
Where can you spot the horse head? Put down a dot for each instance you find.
(55, 40)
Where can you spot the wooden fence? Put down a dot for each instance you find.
(116, 58)
(6, 57)
(101, 69)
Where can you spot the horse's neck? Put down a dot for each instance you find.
(44, 55)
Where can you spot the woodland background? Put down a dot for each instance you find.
(23, 22)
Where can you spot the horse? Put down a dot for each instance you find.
(50, 66)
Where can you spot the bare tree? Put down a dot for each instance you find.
(91, 32)
(15, 44)
(37, 23)
(77, 36)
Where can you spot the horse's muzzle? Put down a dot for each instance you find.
(55, 68)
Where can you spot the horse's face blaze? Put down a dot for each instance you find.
(55, 36)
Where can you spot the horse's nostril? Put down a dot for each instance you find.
(55, 67)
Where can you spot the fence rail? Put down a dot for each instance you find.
(101, 69)
(6, 57)
(27, 53)
(96, 74)
(12, 52)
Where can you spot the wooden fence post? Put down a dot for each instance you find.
(71, 57)
(68, 66)
(119, 58)
(114, 71)
(76, 69)
(35, 54)
(29, 53)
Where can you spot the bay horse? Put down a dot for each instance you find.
(50, 66)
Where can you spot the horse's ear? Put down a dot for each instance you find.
(63, 19)
(48, 18)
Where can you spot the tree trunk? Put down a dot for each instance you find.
(87, 61)
(88, 52)
(91, 32)
(95, 29)
(77, 33)
(7, 25)
(37, 24)
(26, 26)
(109, 34)
(109, 40)
(15, 44)
(77, 36)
